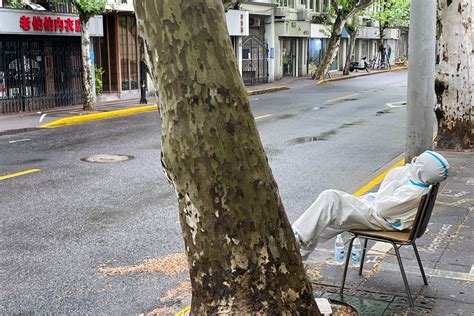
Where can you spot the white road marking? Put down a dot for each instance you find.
(430, 272)
(454, 193)
(400, 104)
(42, 117)
(380, 248)
(19, 140)
(341, 98)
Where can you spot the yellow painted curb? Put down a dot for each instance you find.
(266, 90)
(98, 116)
(183, 311)
(378, 179)
(360, 75)
(13, 175)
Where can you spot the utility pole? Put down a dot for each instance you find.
(421, 76)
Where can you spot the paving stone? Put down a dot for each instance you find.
(442, 288)
(460, 251)
(392, 282)
(447, 307)
(454, 267)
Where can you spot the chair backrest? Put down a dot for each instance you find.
(423, 214)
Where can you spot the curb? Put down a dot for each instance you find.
(266, 90)
(104, 115)
(98, 116)
(361, 75)
(377, 177)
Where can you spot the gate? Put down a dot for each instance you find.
(254, 61)
(37, 74)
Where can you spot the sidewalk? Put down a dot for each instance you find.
(446, 250)
(337, 75)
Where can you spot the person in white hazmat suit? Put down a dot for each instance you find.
(393, 207)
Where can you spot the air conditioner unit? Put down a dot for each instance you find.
(254, 22)
(280, 13)
(301, 14)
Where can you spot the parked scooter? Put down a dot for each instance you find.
(364, 65)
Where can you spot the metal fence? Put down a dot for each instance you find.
(254, 60)
(39, 73)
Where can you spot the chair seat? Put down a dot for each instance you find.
(403, 235)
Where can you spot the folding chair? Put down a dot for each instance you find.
(399, 238)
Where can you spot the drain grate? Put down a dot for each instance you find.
(106, 158)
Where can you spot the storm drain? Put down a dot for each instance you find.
(106, 158)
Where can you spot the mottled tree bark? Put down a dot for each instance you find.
(332, 47)
(241, 251)
(350, 50)
(87, 75)
(453, 83)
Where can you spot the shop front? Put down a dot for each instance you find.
(117, 56)
(317, 43)
(293, 38)
(40, 60)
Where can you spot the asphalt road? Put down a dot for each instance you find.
(61, 224)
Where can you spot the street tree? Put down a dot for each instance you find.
(241, 252)
(454, 83)
(86, 10)
(352, 27)
(342, 10)
(391, 13)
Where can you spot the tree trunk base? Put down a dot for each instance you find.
(457, 138)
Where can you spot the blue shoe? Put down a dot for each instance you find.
(299, 242)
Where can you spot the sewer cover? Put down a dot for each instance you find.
(105, 158)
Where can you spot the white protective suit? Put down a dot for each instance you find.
(392, 208)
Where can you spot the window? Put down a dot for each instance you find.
(287, 3)
(128, 52)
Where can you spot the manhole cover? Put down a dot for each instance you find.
(105, 158)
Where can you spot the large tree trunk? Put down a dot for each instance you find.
(350, 52)
(453, 85)
(241, 251)
(332, 47)
(87, 75)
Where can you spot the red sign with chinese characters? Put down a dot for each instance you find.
(49, 24)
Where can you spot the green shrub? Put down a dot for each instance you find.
(16, 4)
(98, 80)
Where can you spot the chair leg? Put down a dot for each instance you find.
(363, 256)
(402, 270)
(420, 264)
(348, 257)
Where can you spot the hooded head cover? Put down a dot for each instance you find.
(429, 168)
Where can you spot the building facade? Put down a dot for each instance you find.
(117, 54)
(40, 57)
(295, 34)
(40, 51)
